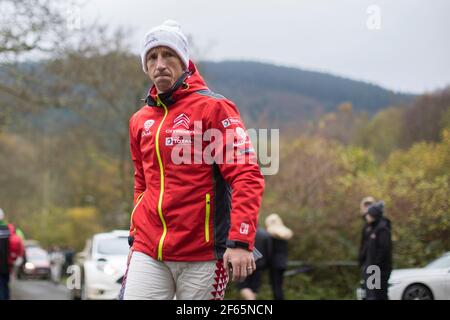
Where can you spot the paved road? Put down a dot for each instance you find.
(37, 290)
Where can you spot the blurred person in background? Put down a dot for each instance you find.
(11, 248)
(249, 288)
(364, 205)
(377, 251)
(57, 260)
(21, 259)
(279, 258)
(192, 224)
(69, 255)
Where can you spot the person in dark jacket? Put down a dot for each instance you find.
(4, 258)
(366, 202)
(249, 288)
(279, 258)
(376, 251)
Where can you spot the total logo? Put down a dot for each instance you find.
(181, 121)
(170, 141)
(229, 121)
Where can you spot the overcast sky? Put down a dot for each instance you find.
(409, 52)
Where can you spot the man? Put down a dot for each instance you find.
(195, 213)
(11, 248)
(377, 252)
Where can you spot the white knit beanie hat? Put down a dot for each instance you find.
(168, 34)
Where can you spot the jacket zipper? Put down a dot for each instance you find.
(208, 213)
(161, 170)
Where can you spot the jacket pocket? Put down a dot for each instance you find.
(207, 215)
(138, 201)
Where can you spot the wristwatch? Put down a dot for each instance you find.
(237, 244)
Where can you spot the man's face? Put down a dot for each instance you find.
(365, 206)
(164, 67)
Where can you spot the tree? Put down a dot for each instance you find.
(423, 120)
(28, 29)
(28, 26)
(343, 125)
(104, 84)
(383, 134)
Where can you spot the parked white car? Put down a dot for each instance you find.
(102, 264)
(429, 283)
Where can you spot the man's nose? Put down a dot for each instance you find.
(160, 63)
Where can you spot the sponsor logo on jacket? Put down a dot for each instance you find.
(181, 121)
(229, 121)
(241, 137)
(244, 228)
(147, 125)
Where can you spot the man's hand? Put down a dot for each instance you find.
(240, 261)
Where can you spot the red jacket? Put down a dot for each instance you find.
(16, 246)
(183, 210)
